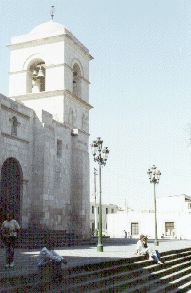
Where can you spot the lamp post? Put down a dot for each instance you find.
(100, 156)
(154, 177)
(95, 195)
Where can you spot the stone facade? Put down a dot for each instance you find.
(44, 128)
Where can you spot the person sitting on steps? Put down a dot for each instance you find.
(143, 249)
(50, 262)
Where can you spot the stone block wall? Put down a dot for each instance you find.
(55, 169)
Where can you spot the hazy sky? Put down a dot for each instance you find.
(140, 85)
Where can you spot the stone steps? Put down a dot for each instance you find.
(185, 287)
(120, 272)
(128, 280)
(163, 284)
(35, 239)
(126, 275)
(177, 284)
(117, 282)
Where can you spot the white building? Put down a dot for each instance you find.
(44, 131)
(94, 216)
(173, 220)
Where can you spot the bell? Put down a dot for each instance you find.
(34, 74)
(40, 73)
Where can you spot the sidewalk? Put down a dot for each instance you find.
(26, 260)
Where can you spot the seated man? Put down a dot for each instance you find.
(148, 252)
(50, 262)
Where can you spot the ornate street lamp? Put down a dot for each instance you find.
(100, 156)
(154, 177)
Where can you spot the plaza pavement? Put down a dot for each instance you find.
(26, 260)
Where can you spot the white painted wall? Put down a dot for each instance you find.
(94, 217)
(169, 209)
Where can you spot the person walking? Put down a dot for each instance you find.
(9, 232)
(149, 252)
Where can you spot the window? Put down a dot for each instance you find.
(134, 228)
(189, 205)
(93, 227)
(59, 148)
(14, 125)
(169, 228)
(71, 117)
(106, 210)
(92, 209)
(76, 80)
(98, 210)
(36, 76)
(112, 211)
(85, 125)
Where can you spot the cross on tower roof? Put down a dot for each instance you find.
(52, 11)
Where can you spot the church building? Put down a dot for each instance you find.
(44, 131)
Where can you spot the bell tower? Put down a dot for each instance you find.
(49, 70)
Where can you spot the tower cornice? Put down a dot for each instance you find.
(26, 42)
(49, 94)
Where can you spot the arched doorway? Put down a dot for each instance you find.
(11, 188)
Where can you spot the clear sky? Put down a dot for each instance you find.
(140, 86)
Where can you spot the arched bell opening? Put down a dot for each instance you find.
(11, 189)
(36, 76)
(76, 80)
